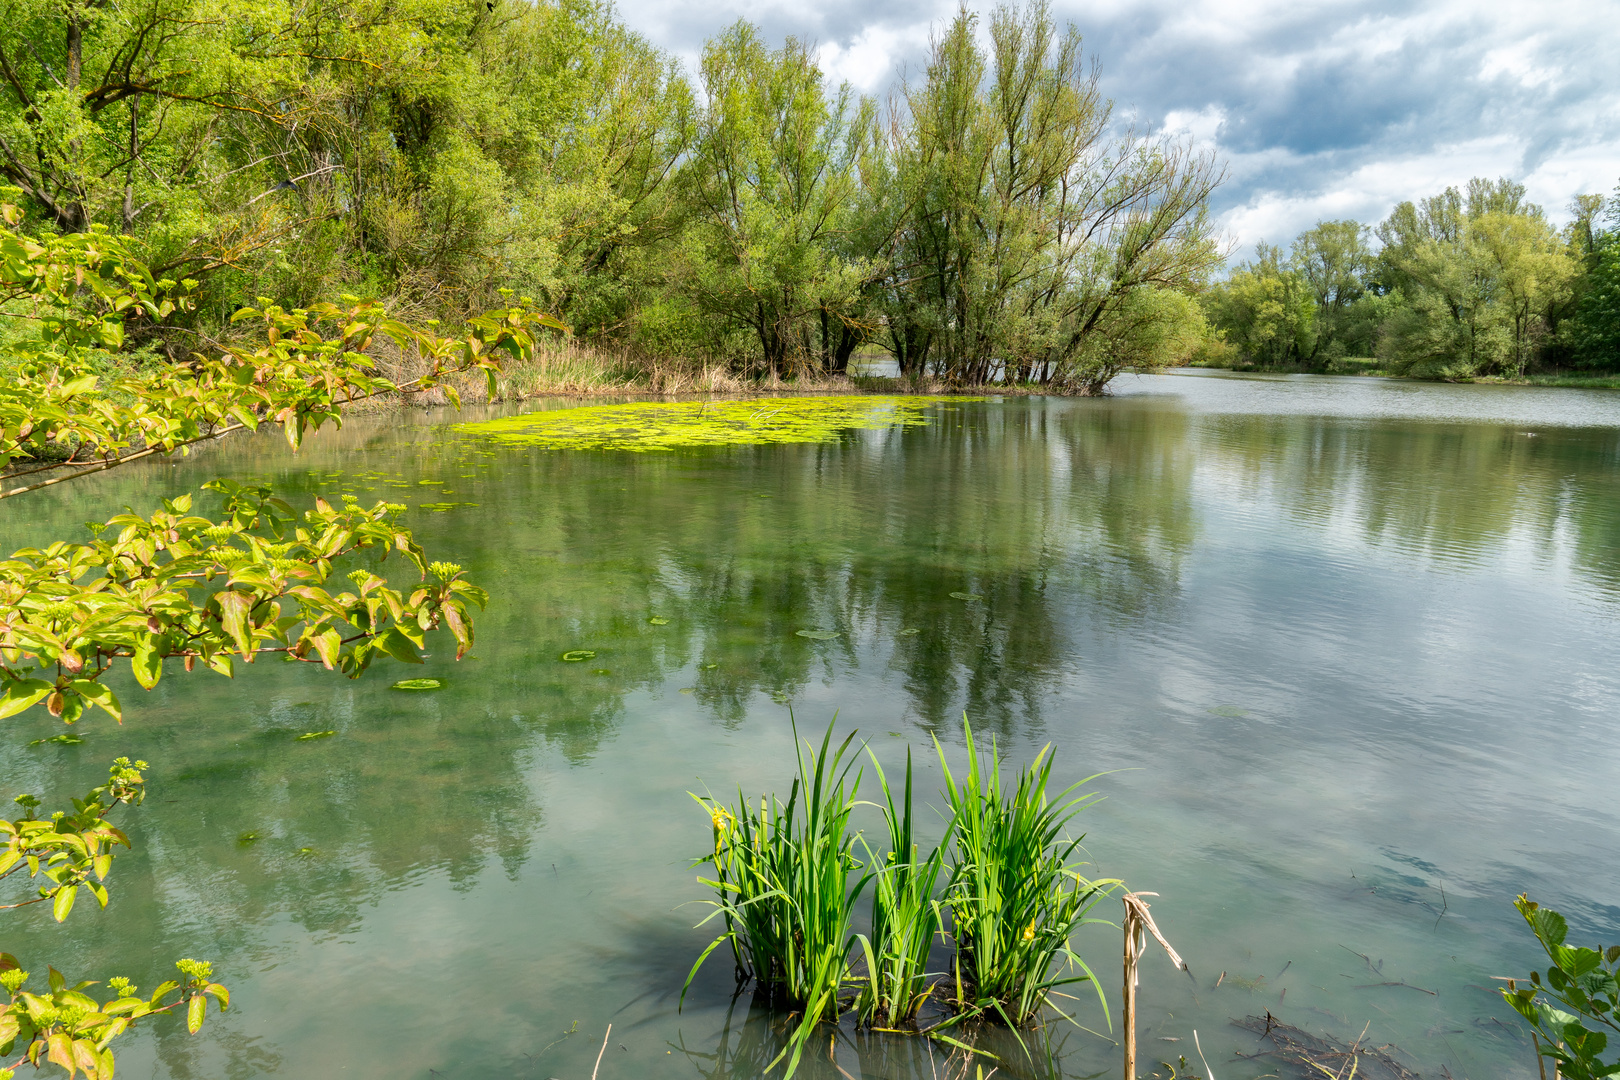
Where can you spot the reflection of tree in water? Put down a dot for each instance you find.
(1037, 518)
(1449, 491)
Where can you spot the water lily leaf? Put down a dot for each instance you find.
(818, 635)
(654, 620)
(316, 735)
(64, 739)
(420, 684)
(966, 596)
(574, 656)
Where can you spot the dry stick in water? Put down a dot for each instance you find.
(1138, 924)
(602, 1051)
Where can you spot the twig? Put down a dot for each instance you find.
(1403, 982)
(602, 1051)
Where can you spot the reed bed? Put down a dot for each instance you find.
(1002, 894)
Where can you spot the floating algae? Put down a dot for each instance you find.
(419, 685)
(817, 635)
(659, 425)
(574, 656)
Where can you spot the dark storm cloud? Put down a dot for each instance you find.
(1320, 109)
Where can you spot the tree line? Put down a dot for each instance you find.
(1465, 283)
(991, 219)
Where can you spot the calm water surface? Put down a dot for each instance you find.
(1347, 646)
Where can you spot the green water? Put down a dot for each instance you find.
(1350, 643)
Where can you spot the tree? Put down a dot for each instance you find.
(1268, 310)
(770, 180)
(1334, 260)
(1482, 276)
(1029, 223)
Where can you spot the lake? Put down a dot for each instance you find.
(1345, 649)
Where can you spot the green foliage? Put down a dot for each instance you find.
(772, 171)
(1014, 894)
(1266, 311)
(782, 886)
(67, 1027)
(1467, 283)
(658, 425)
(64, 853)
(176, 585)
(69, 851)
(434, 155)
(1022, 228)
(1011, 903)
(906, 916)
(1595, 330)
(1569, 1006)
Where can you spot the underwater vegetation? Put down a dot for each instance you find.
(662, 425)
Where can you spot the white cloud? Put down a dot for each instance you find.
(1324, 109)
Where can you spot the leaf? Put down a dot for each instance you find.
(817, 635)
(308, 735)
(64, 901)
(145, 663)
(419, 684)
(221, 993)
(966, 596)
(574, 656)
(194, 1013)
(23, 694)
(101, 695)
(61, 1052)
(234, 608)
(393, 642)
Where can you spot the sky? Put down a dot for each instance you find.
(1319, 109)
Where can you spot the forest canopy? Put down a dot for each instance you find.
(993, 218)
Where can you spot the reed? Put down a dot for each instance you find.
(906, 916)
(782, 886)
(1014, 894)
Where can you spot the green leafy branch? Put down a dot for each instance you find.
(1579, 995)
(70, 851)
(68, 1027)
(176, 585)
(302, 368)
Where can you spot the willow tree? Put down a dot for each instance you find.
(1481, 273)
(1034, 224)
(769, 186)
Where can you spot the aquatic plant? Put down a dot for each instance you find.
(1014, 896)
(665, 425)
(782, 885)
(419, 685)
(906, 915)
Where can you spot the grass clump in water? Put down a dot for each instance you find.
(1014, 895)
(906, 917)
(659, 425)
(782, 879)
(787, 883)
